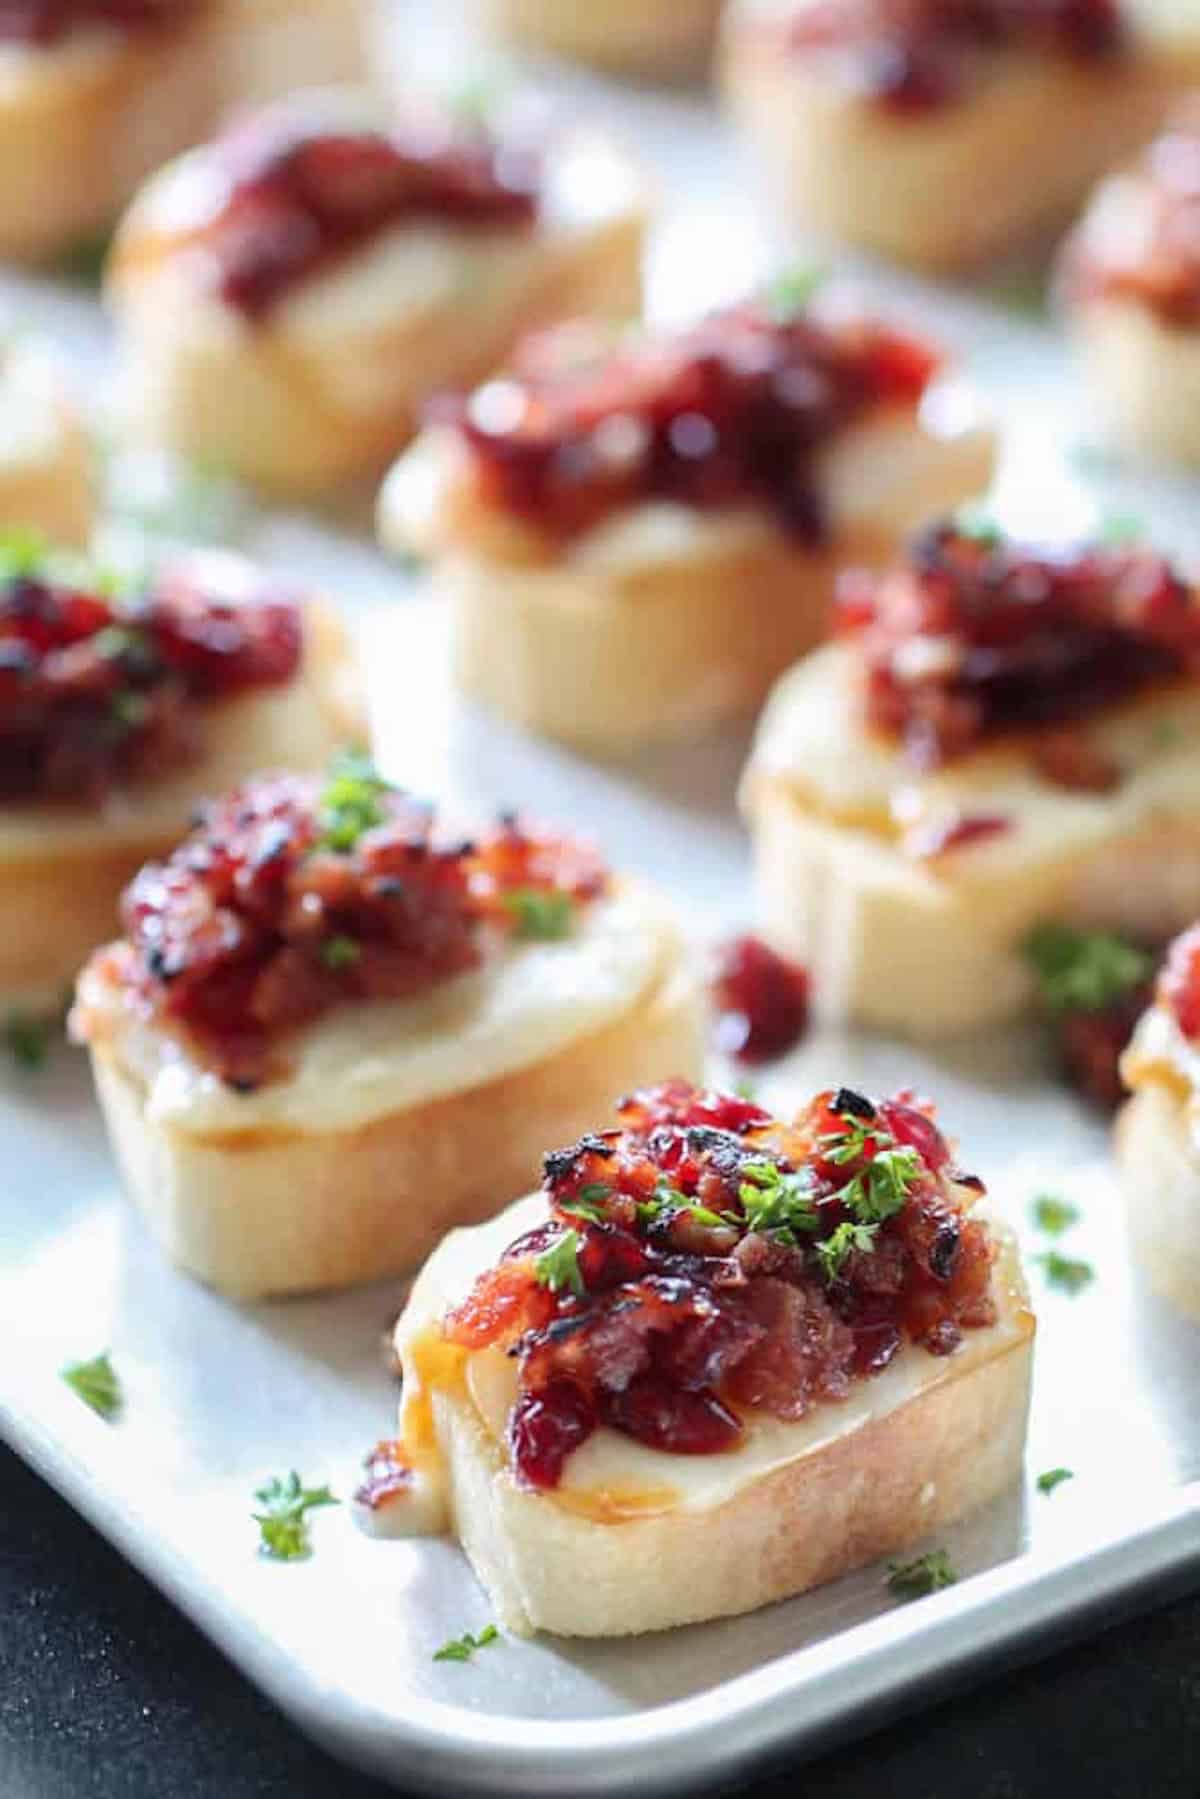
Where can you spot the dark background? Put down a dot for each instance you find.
(106, 1692)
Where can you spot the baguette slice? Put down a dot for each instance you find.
(660, 39)
(928, 945)
(351, 1169)
(637, 1540)
(45, 454)
(62, 869)
(950, 186)
(687, 616)
(330, 383)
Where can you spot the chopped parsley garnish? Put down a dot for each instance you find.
(927, 1574)
(1121, 528)
(461, 1649)
(1054, 1215)
(340, 952)
(1053, 1477)
(283, 1523)
(588, 1202)
(791, 292)
(129, 708)
(22, 552)
(540, 915)
(27, 1040)
(558, 1266)
(746, 1089)
(351, 801)
(97, 1384)
(778, 1203)
(1084, 970)
(833, 1250)
(881, 1187)
(1067, 1275)
(975, 523)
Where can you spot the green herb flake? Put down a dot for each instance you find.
(1054, 1215)
(1053, 1477)
(746, 1089)
(540, 915)
(1165, 733)
(351, 801)
(833, 1251)
(926, 1574)
(97, 1384)
(129, 709)
(1120, 529)
(27, 1040)
(778, 1203)
(558, 1267)
(1084, 970)
(977, 524)
(22, 552)
(792, 291)
(881, 1187)
(461, 1649)
(283, 1522)
(1066, 1275)
(340, 952)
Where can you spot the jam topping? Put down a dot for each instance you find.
(43, 22)
(1179, 983)
(975, 639)
(294, 896)
(733, 411)
(1093, 987)
(704, 1261)
(301, 198)
(760, 1001)
(98, 688)
(1141, 239)
(917, 56)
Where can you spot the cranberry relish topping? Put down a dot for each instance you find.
(294, 896)
(975, 639)
(44, 22)
(302, 197)
(705, 1260)
(1179, 983)
(729, 412)
(99, 688)
(916, 56)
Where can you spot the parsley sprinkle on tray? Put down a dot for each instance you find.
(1064, 1273)
(27, 1040)
(1054, 1215)
(1053, 1477)
(97, 1384)
(283, 1523)
(916, 1579)
(462, 1649)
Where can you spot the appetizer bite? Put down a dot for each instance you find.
(720, 1358)
(663, 39)
(97, 93)
(943, 131)
(1130, 281)
(334, 1028)
(120, 708)
(1000, 738)
(1158, 1132)
(46, 455)
(288, 295)
(639, 532)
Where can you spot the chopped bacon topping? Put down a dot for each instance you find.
(44, 22)
(974, 639)
(1140, 240)
(97, 690)
(705, 1260)
(293, 897)
(301, 197)
(733, 411)
(1179, 983)
(917, 56)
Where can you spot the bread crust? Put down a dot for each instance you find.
(1144, 374)
(662, 39)
(258, 1214)
(1160, 1182)
(952, 188)
(58, 901)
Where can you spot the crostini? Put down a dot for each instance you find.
(334, 1029)
(638, 533)
(98, 93)
(1158, 1132)
(942, 134)
(1130, 283)
(659, 39)
(118, 712)
(1000, 739)
(46, 454)
(288, 295)
(720, 1358)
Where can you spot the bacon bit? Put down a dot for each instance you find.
(1179, 983)
(388, 1477)
(760, 1000)
(928, 842)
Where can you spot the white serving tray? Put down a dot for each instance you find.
(220, 1396)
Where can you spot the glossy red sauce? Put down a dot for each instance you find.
(733, 411)
(918, 56)
(301, 198)
(1179, 983)
(974, 638)
(760, 1001)
(97, 690)
(681, 1322)
(45, 22)
(295, 896)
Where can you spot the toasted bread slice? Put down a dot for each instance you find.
(46, 457)
(401, 1120)
(635, 1539)
(665, 39)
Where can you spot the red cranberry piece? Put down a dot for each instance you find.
(671, 1418)
(875, 1345)
(761, 1001)
(1180, 988)
(608, 1257)
(544, 1429)
(912, 1128)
